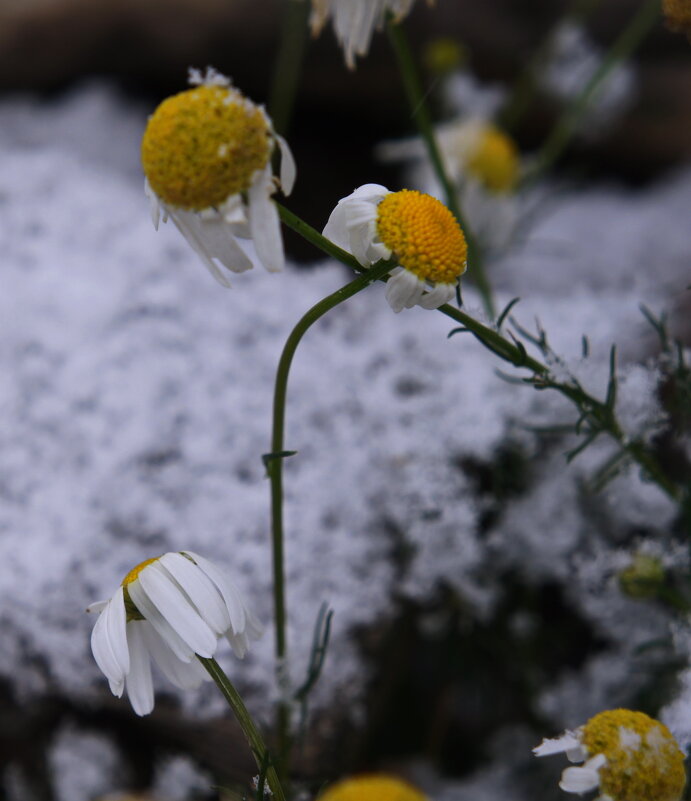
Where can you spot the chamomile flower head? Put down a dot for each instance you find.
(206, 154)
(678, 16)
(354, 21)
(414, 229)
(626, 755)
(372, 787)
(172, 608)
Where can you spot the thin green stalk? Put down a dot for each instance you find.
(567, 124)
(251, 732)
(274, 467)
(512, 352)
(420, 113)
(288, 63)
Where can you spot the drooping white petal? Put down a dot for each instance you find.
(352, 224)
(109, 642)
(185, 675)
(265, 225)
(172, 603)
(239, 643)
(176, 644)
(583, 778)
(288, 170)
(154, 204)
(201, 590)
(434, 298)
(140, 689)
(231, 595)
(403, 290)
(568, 741)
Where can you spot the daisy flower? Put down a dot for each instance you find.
(355, 21)
(482, 161)
(626, 756)
(416, 230)
(206, 154)
(372, 788)
(171, 608)
(678, 16)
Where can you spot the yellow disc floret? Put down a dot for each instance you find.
(423, 235)
(204, 145)
(493, 160)
(678, 15)
(644, 762)
(372, 788)
(132, 575)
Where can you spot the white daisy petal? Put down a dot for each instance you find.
(231, 595)
(584, 778)
(176, 644)
(434, 298)
(558, 745)
(265, 225)
(97, 606)
(403, 290)
(288, 168)
(201, 590)
(140, 689)
(185, 675)
(109, 642)
(170, 601)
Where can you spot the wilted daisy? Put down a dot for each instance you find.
(678, 15)
(416, 230)
(171, 608)
(627, 756)
(206, 154)
(354, 21)
(372, 787)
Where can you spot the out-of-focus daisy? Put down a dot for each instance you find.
(678, 15)
(416, 230)
(626, 755)
(484, 166)
(354, 21)
(374, 787)
(571, 62)
(206, 154)
(171, 608)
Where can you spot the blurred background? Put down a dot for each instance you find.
(126, 424)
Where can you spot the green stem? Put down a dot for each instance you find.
(288, 64)
(423, 120)
(251, 732)
(629, 39)
(507, 350)
(274, 467)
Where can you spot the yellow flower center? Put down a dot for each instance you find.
(204, 145)
(644, 762)
(494, 160)
(372, 788)
(132, 575)
(678, 15)
(423, 235)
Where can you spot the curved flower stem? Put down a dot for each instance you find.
(629, 39)
(288, 64)
(251, 732)
(420, 112)
(514, 353)
(274, 469)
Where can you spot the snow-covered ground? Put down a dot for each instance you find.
(135, 404)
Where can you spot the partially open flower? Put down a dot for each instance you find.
(416, 230)
(374, 787)
(206, 154)
(171, 608)
(627, 756)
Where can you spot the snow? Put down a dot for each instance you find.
(135, 406)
